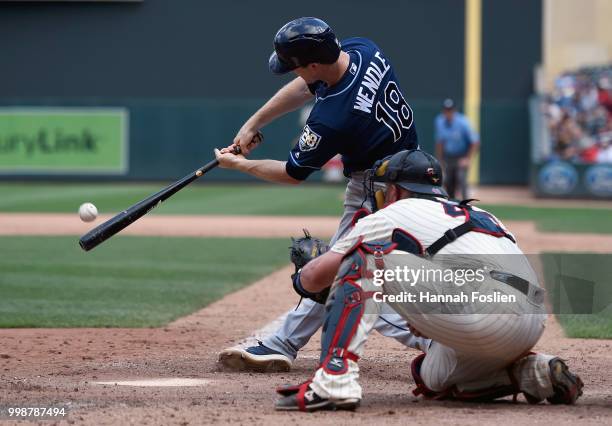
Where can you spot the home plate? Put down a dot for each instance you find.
(168, 382)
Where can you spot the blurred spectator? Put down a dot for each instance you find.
(456, 143)
(604, 94)
(567, 134)
(604, 154)
(579, 115)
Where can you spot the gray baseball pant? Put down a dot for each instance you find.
(456, 178)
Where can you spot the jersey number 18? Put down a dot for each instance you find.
(395, 111)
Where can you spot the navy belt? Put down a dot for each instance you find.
(512, 280)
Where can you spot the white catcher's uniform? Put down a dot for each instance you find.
(473, 345)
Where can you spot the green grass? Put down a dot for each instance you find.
(150, 281)
(243, 199)
(557, 219)
(196, 199)
(128, 281)
(580, 292)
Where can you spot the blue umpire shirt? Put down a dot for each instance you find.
(455, 136)
(364, 116)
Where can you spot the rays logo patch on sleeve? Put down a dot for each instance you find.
(309, 139)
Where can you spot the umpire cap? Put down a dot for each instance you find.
(414, 170)
(301, 42)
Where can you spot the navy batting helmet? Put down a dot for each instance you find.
(301, 42)
(414, 170)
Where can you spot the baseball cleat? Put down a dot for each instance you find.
(307, 400)
(566, 385)
(258, 358)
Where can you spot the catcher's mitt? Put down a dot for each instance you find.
(306, 248)
(302, 251)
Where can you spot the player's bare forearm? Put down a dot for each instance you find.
(320, 272)
(270, 170)
(289, 98)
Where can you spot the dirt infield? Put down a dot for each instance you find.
(60, 367)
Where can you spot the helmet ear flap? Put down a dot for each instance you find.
(379, 196)
(382, 168)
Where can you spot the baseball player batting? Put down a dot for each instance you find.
(360, 112)
(478, 351)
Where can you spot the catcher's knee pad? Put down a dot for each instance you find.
(346, 305)
(344, 310)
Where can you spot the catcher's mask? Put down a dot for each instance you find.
(414, 170)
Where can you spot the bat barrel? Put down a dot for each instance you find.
(122, 220)
(112, 226)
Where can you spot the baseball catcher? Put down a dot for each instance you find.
(480, 348)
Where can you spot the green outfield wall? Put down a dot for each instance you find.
(188, 72)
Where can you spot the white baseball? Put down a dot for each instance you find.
(88, 212)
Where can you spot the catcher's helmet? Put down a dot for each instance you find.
(414, 170)
(301, 42)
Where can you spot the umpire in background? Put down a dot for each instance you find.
(456, 143)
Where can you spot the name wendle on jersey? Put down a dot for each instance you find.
(374, 75)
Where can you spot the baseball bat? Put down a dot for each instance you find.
(122, 220)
